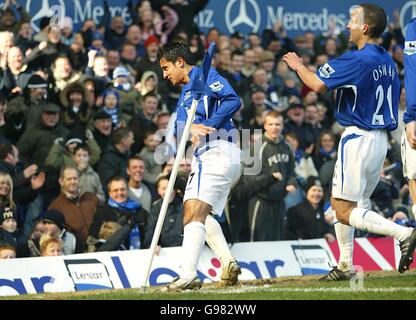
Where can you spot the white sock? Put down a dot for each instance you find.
(345, 239)
(367, 220)
(192, 245)
(216, 240)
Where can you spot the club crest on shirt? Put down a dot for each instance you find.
(326, 70)
(187, 95)
(216, 86)
(410, 47)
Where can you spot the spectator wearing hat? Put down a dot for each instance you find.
(62, 151)
(150, 83)
(54, 225)
(129, 97)
(111, 105)
(306, 220)
(9, 231)
(35, 96)
(78, 209)
(36, 142)
(102, 129)
(76, 114)
(97, 44)
(35, 145)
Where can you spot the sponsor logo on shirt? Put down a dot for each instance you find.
(216, 86)
(326, 70)
(187, 95)
(410, 47)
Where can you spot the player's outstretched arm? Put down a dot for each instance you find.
(307, 76)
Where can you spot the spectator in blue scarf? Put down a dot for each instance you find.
(121, 210)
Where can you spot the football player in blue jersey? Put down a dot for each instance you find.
(408, 144)
(215, 165)
(368, 90)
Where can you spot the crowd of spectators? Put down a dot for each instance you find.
(80, 117)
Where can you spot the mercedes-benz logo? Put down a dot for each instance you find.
(44, 11)
(244, 16)
(404, 17)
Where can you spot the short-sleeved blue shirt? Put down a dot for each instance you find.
(368, 88)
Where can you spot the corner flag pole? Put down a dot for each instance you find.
(198, 86)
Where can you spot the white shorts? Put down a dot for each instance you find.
(360, 160)
(408, 158)
(214, 173)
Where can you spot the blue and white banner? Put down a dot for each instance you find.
(126, 269)
(246, 16)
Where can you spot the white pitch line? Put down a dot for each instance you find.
(334, 289)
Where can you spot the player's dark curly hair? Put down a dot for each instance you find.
(172, 51)
(376, 19)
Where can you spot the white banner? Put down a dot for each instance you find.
(126, 269)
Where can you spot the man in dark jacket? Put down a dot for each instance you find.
(114, 160)
(306, 220)
(171, 234)
(103, 128)
(237, 213)
(26, 183)
(267, 209)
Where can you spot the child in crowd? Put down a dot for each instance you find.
(89, 181)
(54, 224)
(9, 232)
(50, 246)
(152, 169)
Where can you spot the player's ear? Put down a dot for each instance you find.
(180, 62)
(364, 28)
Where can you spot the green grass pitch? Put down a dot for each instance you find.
(375, 286)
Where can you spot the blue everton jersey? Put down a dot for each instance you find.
(217, 104)
(410, 71)
(368, 88)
